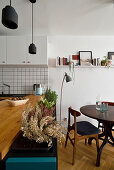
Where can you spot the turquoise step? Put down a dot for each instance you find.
(34, 163)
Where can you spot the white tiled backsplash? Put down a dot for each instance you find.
(22, 78)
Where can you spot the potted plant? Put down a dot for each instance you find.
(48, 104)
(106, 62)
(36, 126)
(39, 123)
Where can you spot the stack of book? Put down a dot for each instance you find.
(62, 61)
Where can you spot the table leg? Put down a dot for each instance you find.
(100, 150)
(111, 140)
(90, 141)
(107, 133)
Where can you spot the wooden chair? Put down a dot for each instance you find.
(82, 130)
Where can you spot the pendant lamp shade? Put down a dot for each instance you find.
(32, 49)
(9, 17)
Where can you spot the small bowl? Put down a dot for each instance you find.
(17, 102)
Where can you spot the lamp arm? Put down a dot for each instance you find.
(61, 95)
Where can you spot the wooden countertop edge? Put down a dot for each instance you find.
(6, 149)
(6, 139)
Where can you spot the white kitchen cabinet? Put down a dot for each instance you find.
(16, 50)
(2, 49)
(41, 55)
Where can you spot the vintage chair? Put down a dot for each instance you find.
(100, 125)
(82, 130)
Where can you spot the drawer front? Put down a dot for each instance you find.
(39, 163)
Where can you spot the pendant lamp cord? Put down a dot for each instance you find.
(10, 2)
(32, 22)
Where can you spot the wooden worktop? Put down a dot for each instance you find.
(10, 122)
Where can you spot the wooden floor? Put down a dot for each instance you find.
(85, 158)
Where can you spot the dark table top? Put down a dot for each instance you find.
(90, 111)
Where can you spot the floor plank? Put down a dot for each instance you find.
(85, 158)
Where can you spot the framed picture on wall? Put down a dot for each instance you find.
(85, 58)
(111, 57)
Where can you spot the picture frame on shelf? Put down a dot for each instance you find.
(85, 58)
(111, 57)
(75, 59)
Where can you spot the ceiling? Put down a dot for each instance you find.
(63, 17)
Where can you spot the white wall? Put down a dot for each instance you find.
(89, 82)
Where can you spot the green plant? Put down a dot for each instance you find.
(45, 102)
(51, 96)
(106, 62)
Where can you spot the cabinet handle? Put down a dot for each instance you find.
(23, 61)
(28, 62)
(3, 61)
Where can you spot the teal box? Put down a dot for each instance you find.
(34, 163)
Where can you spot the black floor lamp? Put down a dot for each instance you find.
(68, 79)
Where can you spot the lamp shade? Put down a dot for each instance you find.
(68, 78)
(32, 1)
(32, 49)
(9, 17)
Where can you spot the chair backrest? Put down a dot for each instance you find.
(110, 103)
(75, 114)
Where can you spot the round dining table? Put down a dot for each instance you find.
(107, 119)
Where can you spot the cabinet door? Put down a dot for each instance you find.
(16, 50)
(41, 55)
(2, 49)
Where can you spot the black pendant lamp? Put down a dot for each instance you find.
(9, 17)
(32, 47)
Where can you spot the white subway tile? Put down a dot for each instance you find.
(15, 69)
(15, 83)
(19, 92)
(19, 88)
(38, 69)
(23, 73)
(46, 69)
(42, 73)
(15, 73)
(27, 73)
(46, 73)
(23, 69)
(18, 84)
(19, 73)
(27, 69)
(38, 73)
(15, 91)
(15, 88)
(42, 69)
(35, 69)
(19, 69)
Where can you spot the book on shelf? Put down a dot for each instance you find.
(61, 61)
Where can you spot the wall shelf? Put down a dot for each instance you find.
(84, 66)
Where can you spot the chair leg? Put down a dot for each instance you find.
(97, 143)
(85, 141)
(74, 153)
(66, 139)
